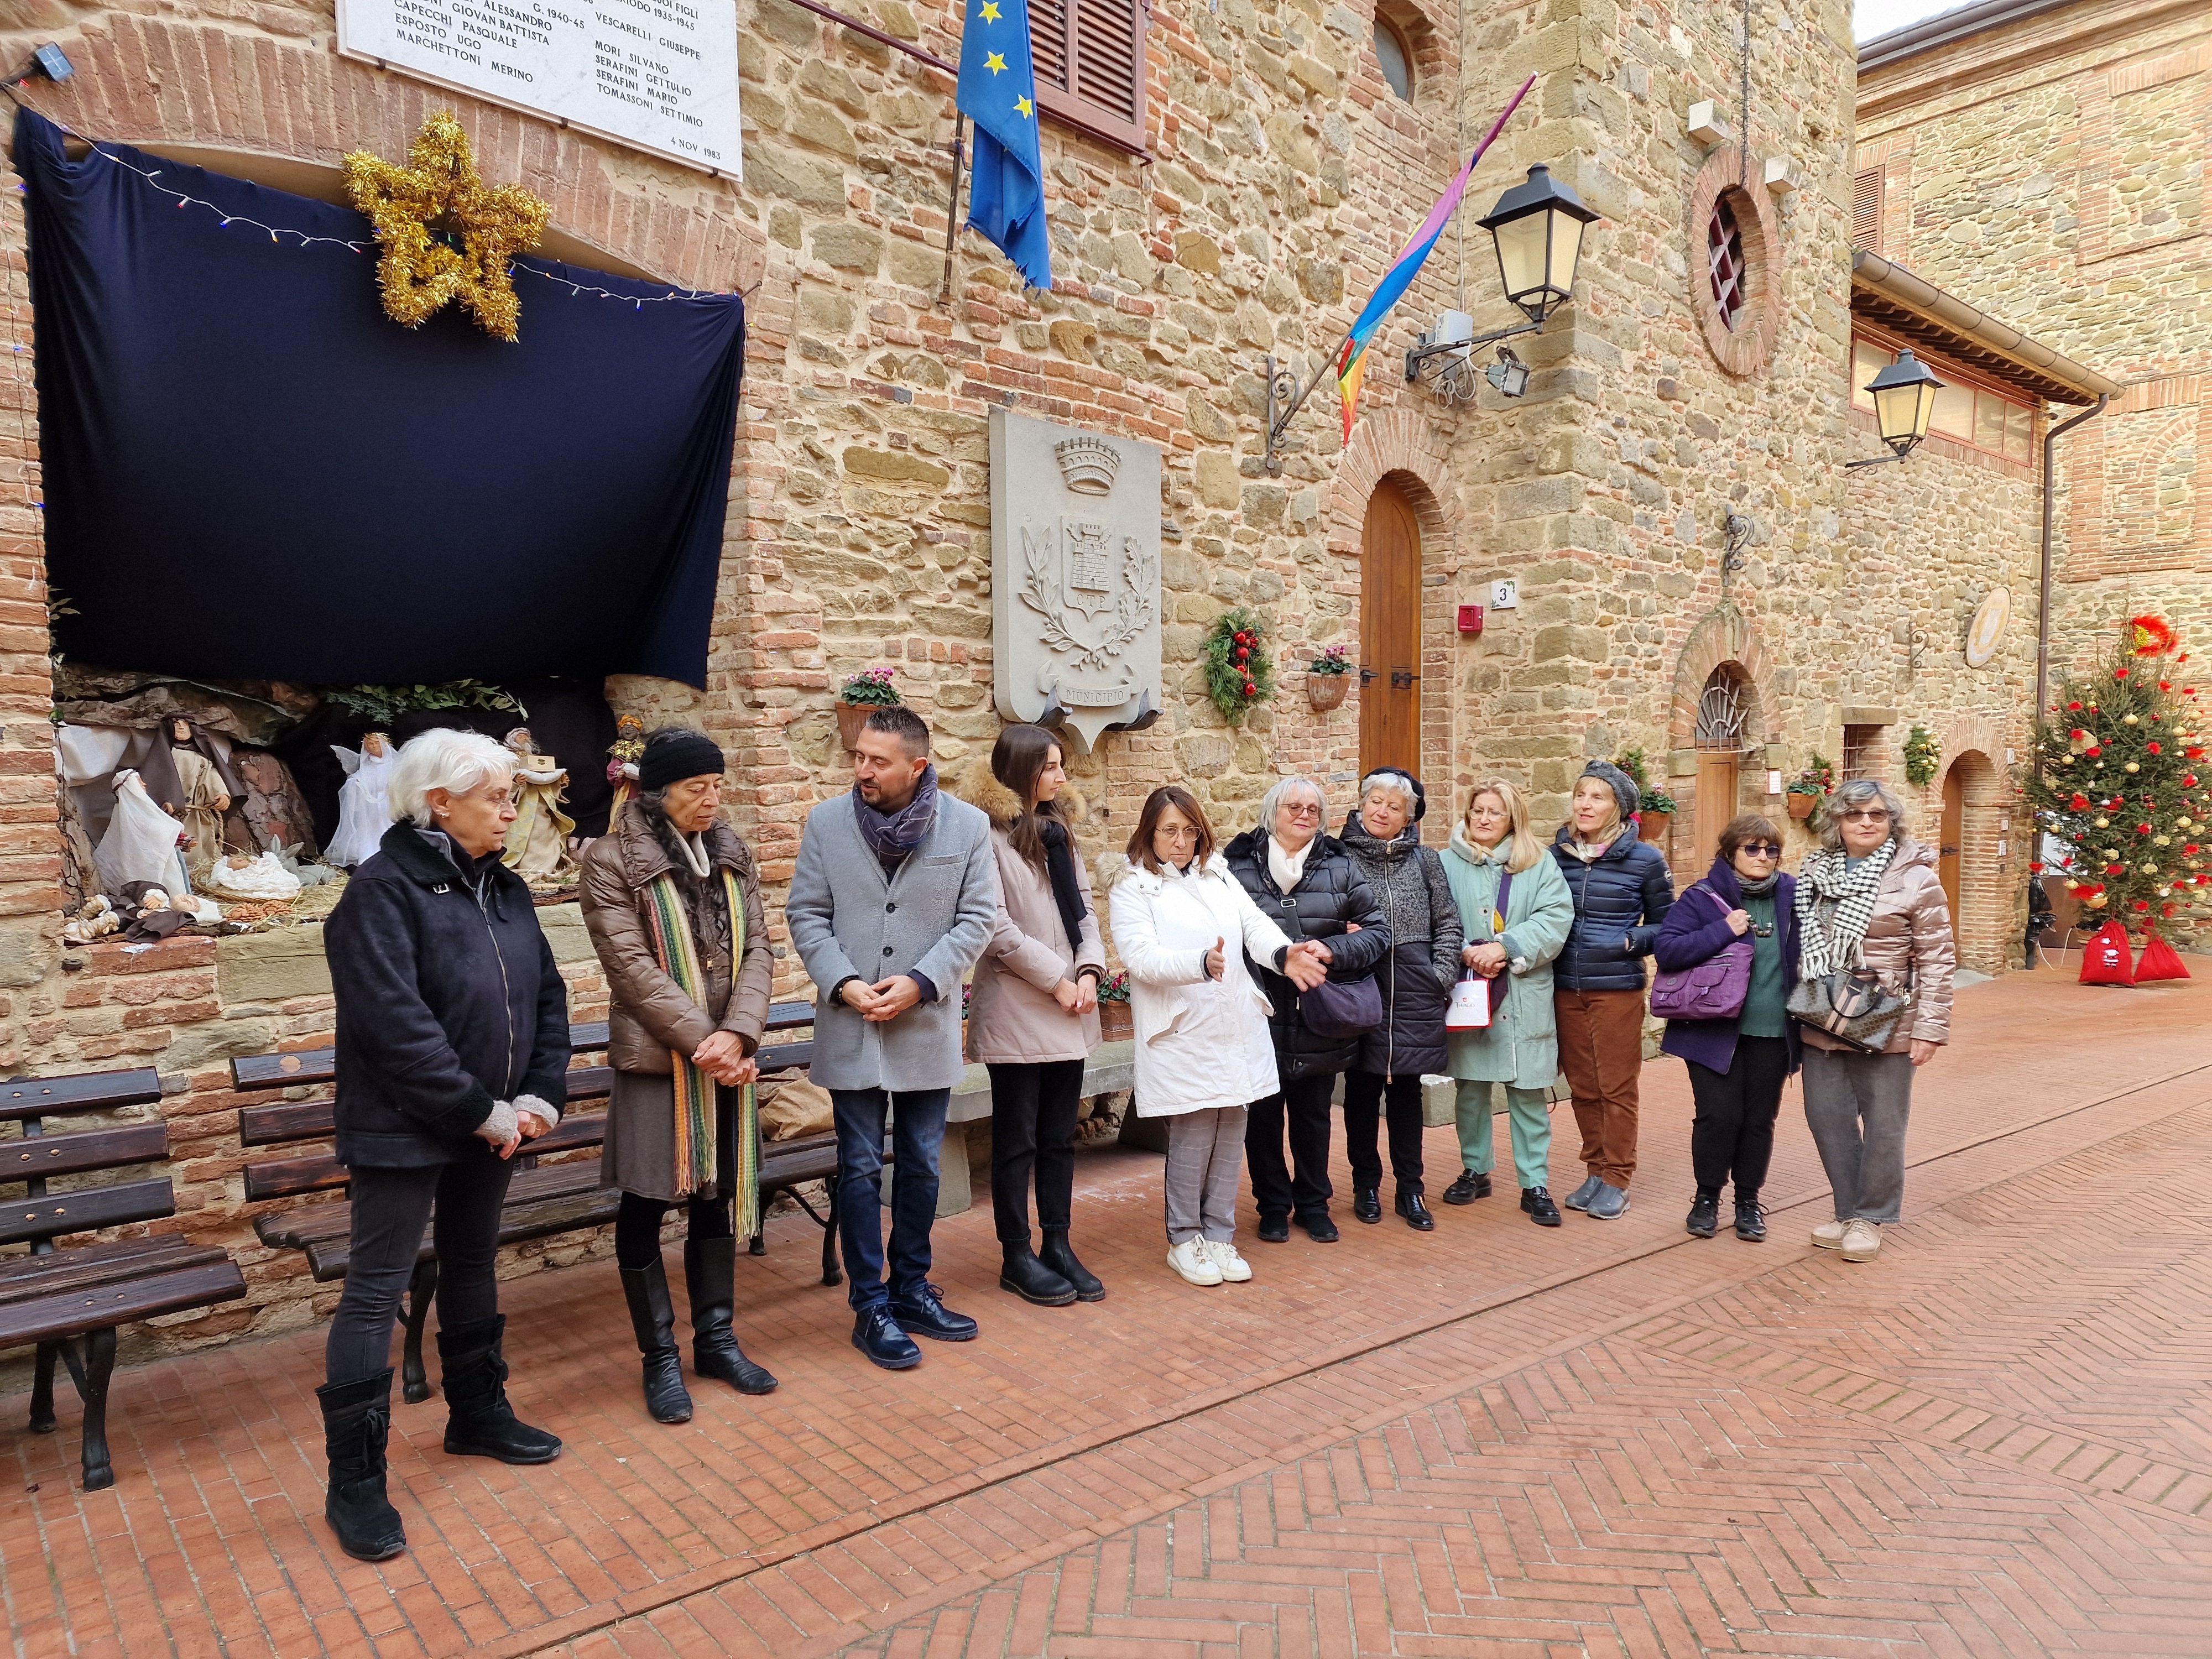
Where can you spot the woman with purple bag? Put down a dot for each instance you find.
(1728, 956)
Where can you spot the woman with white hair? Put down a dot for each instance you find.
(1383, 836)
(453, 1048)
(1306, 883)
(1870, 896)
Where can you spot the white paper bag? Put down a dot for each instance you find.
(1470, 1006)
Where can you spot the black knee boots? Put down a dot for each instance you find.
(646, 1290)
(479, 1423)
(356, 1421)
(710, 1266)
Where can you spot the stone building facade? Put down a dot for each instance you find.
(1667, 498)
(2049, 164)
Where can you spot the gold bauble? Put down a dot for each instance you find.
(2104, 823)
(2095, 901)
(2127, 719)
(418, 210)
(2132, 767)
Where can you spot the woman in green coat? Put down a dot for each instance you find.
(1520, 1047)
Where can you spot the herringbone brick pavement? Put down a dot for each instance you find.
(1540, 1405)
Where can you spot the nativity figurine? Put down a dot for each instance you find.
(364, 803)
(96, 919)
(623, 757)
(142, 841)
(537, 843)
(186, 776)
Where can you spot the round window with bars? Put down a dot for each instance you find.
(1736, 294)
(1725, 264)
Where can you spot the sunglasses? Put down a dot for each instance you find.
(1866, 815)
(1760, 849)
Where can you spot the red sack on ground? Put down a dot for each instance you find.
(2106, 959)
(2158, 961)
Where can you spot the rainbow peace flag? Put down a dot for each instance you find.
(1352, 362)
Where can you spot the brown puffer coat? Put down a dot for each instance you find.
(1908, 941)
(650, 1015)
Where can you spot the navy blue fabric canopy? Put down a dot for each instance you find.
(251, 472)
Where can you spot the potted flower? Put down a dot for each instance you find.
(858, 697)
(1805, 791)
(1115, 1022)
(1328, 677)
(1656, 815)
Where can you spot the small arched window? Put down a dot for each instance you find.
(1724, 262)
(1397, 62)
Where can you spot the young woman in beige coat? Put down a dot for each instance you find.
(1034, 1017)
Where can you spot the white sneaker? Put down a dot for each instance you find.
(1234, 1268)
(1829, 1235)
(1194, 1262)
(1862, 1241)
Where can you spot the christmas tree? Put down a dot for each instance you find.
(2118, 777)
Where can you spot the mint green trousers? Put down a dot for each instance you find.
(1531, 1115)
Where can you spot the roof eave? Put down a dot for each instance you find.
(1918, 309)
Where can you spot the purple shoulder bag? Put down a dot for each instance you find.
(1715, 988)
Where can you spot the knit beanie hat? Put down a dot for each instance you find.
(1623, 786)
(672, 755)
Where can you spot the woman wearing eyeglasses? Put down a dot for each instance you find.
(1871, 894)
(1737, 1066)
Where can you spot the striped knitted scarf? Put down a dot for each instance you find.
(674, 949)
(1850, 894)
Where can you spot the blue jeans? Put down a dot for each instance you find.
(917, 1132)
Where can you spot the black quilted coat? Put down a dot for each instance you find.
(1329, 898)
(1425, 936)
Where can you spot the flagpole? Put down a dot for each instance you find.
(1281, 383)
(952, 213)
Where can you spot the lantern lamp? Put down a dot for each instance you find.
(1904, 399)
(1537, 226)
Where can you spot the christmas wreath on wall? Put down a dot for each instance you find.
(1238, 671)
(1922, 752)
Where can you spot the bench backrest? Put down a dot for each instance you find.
(35, 1156)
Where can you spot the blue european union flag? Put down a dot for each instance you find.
(997, 93)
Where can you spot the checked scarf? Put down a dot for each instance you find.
(1827, 948)
(678, 957)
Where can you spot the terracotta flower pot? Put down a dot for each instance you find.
(1654, 826)
(1801, 806)
(1115, 1022)
(851, 717)
(1327, 691)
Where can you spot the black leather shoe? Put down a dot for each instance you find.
(1537, 1202)
(1416, 1213)
(1705, 1217)
(356, 1421)
(1750, 1218)
(1466, 1189)
(1031, 1281)
(479, 1423)
(876, 1335)
(710, 1266)
(1276, 1231)
(928, 1315)
(1320, 1228)
(646, 1291)
(1058, 1255)
(1367, 1204)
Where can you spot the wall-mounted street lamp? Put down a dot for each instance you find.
(1904, 399)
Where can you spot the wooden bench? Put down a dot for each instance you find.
(543, 1199)
(59, 1298)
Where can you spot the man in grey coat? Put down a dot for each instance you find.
(891, 903)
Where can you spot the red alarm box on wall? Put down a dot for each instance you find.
(1470, 619)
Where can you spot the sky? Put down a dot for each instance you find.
(1873, 17)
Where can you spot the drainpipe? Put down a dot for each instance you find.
(2042, 600)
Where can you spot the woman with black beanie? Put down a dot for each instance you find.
(672, 897)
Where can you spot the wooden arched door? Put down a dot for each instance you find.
(1390, 633)
(1952, 838)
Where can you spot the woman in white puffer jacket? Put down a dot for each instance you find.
(1203, 1052)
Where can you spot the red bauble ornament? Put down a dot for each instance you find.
(2155, 750)
(2079, 804)
(2143, 829)
(2119, 673)
(2074, 707)
(2094, 752)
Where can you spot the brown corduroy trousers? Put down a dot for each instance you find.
(1602, 1052)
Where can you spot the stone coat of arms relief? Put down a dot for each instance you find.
(1075, 576)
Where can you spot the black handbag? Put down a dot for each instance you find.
(1336, 1009)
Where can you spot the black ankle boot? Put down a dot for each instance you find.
(1367, 1204)
(479, 1423)
(1031, 1281)
(710, 1270)
(1705, 1218)
(356, 1421)
(1057, 1256)
(646, 1290)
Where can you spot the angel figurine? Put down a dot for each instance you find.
(364, 802)
(537, 845)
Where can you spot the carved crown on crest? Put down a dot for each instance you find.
(1088, 463)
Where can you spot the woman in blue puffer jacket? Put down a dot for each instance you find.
(1622, 892)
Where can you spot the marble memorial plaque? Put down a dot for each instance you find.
(1075, 576)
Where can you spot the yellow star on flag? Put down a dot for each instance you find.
(990, 12)
(1022, 105)
(994, 62)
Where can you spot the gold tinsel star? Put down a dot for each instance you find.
(441, 192)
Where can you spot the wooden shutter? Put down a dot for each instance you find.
(1089, 56)
(1866, 210)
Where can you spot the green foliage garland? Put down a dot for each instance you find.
(1239, 672)
(2118, 776)
(382, 704)
(1922, 752)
